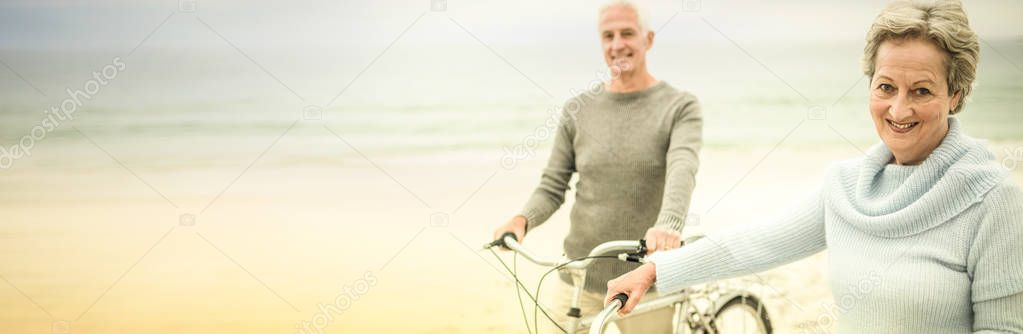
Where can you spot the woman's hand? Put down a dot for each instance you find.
(661, 238)
(634, 284)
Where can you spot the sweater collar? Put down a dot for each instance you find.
(635, 95)
(956, 175)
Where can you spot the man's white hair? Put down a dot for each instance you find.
(641, 16)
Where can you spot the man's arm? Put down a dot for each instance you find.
(683, 159)
(1000, 315)
(550, 194)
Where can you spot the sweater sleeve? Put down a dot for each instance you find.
(683, 159)
(995, 264)
(744, 250)
(550, 194)
(1000, 315)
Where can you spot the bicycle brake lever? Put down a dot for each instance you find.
(632, 257)
(639, 255)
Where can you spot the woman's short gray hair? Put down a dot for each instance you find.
(942, 22)
(641, 15)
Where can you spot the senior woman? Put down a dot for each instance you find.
(925, 232)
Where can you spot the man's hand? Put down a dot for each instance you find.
(634, 283)
(516, 225)
(660, 238)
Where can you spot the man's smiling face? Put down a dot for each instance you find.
(624, 42)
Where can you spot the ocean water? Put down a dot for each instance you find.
(197, 106)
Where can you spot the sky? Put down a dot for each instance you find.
(66, 24)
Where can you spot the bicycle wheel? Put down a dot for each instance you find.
(740, 314)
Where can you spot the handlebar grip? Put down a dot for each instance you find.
(500, 241)
(509, 234)
(621, 297)
(642, 243)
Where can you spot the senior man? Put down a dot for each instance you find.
(635, 143)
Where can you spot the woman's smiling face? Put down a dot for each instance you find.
(909, 98)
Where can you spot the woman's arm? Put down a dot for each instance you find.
(995, 263)
(735, 252)
(744, 250)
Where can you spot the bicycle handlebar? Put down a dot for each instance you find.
(632, 251)
(629, 250)
(605, 316)
(509, 241)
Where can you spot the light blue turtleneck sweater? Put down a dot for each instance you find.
(931, 248)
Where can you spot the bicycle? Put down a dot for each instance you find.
(698, 310)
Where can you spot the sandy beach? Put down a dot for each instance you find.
(99, 251)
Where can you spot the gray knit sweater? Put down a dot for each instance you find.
(932, 248)
(636, 155)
